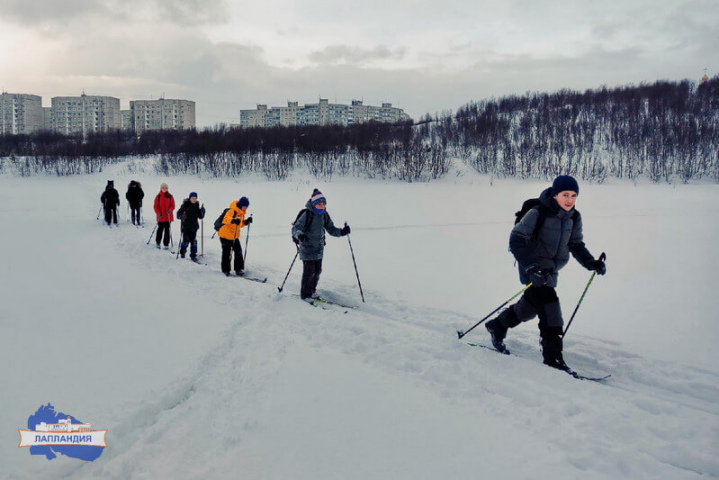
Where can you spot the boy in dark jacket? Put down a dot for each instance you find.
(110, 200)
(540, 255)
(308, 233)
(190, 213)
(134, 198)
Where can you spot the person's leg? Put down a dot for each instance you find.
(226, 254)
(166, 236)
(308, 278)
(191, 238)
(551, 325)
(158, 235)
(239, 261)
(316, 277)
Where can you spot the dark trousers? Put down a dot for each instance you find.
(311, 271)
(135, 215)
(539, 302)
(229, 246)
(189, 238)
(111, 215)
(163, 233)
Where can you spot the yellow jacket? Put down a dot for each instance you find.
(229, 230)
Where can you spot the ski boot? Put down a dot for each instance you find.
(497, 331)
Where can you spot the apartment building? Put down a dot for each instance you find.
(321, 113)
(20, 113)
(85, 114)
(162, 114)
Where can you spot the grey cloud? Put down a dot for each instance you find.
(193, 12)
(58, 12)
(33, 12)
(335, 54)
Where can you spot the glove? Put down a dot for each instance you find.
(301, 237)
(183, 217)
(248, 220)
(537, 276)
(236, 221)
(297, 242)
(345, 230)
(598, 266)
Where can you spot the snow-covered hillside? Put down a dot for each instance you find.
(199, 376)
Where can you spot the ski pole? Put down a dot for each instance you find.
(202, 233)
(151, 234)
(288, 271)
(182, 229)
(355, 264)
(247, 241)
(98, 213)
(461, 334)
(602, 257)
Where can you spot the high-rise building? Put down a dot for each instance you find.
(162, 114)
(321, 113)
(85, 114)
(20, 113)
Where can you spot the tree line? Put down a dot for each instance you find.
(661, 131)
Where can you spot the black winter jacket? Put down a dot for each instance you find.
(193, 212)
(548, 248)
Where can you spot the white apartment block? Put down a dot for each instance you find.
(20, 113)
(85, 114)
(321, 113)
(162, 114)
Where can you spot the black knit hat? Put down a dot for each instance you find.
(563, 183)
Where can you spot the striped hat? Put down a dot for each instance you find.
(317, 198)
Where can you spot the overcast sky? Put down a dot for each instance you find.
(424, 56)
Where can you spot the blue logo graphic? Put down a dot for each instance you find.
(50, 433)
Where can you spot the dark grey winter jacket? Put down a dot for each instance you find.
(313, 247)
(559, 235)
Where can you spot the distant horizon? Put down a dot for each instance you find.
(348, 102)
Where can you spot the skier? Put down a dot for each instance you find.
(134, 198)
(308, 233)
(164, 206)
(189, 215)
(110, 200)
(229, 235)
(540, 255)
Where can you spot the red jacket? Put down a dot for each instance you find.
(164, 206)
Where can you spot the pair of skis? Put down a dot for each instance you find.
(568, 370)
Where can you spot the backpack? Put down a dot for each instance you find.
(528, 205)
(309, 221)
(218, 222)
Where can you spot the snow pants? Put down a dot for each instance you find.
(189, 237)
(311, 270)
(111, 215)
(228, 247)
(135, 215)
(544, 303)
(163, 233)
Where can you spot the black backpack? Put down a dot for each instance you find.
(309, 220)
(528, 205)
(218, 222)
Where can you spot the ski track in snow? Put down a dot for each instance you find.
(228, 412)
(237, 376)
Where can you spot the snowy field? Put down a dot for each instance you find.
(199, 376)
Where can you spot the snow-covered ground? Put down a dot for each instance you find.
(197, 376)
